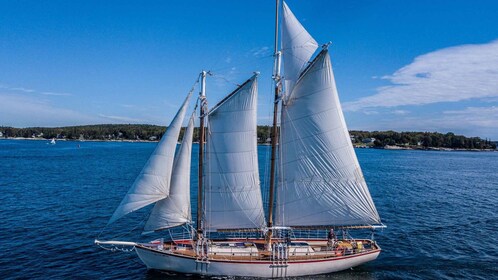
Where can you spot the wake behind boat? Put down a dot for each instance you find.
(318, 196)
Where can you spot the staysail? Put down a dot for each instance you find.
(153, 183)
(232, 189)
(175, 209)
(297, 47)
(320, 180)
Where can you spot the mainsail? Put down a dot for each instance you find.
(320, 180)
(232, 193)
(175, 209)
(153, 183)
(297, 47)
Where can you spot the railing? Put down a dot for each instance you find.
(233, 253)
(280, 254)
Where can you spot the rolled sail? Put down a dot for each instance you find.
(320, 180)
(232, 194)
(153, 182)
(175, 209)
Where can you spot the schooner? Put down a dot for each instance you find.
(315, 185)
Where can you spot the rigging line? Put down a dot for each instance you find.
(144, 218)
(218, 76)
(194, 85)
(297, 47)
(257, 59)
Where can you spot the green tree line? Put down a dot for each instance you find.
(154, 132)
(421, 139)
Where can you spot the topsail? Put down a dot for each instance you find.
(297, 46)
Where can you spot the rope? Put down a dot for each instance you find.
(251, 61)
(218, 76)
(115, 248)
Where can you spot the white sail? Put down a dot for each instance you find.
(175, 209)
(320, 180)
(297, 47)
(153, 183)
(232, 193)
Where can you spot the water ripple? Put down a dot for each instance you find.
(440, 208)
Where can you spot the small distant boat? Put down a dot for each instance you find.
(52, 142)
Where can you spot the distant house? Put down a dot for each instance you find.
(368, 140)
(496, 143)
(1, 134)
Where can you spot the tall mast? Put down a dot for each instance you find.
(274, 135)
(202, 97)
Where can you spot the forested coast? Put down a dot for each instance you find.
(147, 132)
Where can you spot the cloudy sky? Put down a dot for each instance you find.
(400, 65)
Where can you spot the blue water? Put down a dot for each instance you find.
(441, 209)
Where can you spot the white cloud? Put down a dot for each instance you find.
(400, 112)
(21, 89)
(370, 112)
(127, 105)
(483, 117)
(447, 75)
(121, 118)
(471, 121)
(22, 111)
(261, 52)
(28, 90)
(55, 93)
(30, 110)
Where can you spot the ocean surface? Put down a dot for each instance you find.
(441, 209)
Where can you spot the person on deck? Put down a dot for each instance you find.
(331, 238)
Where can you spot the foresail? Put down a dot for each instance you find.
(297, 47)
(320, 180)
(153, 183)
(232, 194)
(175, 209)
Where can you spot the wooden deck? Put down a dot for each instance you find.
(319, 250)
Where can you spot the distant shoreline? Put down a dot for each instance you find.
(76, 140)
(439, 149)
(151, 133)
(387, 147)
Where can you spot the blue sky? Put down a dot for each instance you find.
(400, 65)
